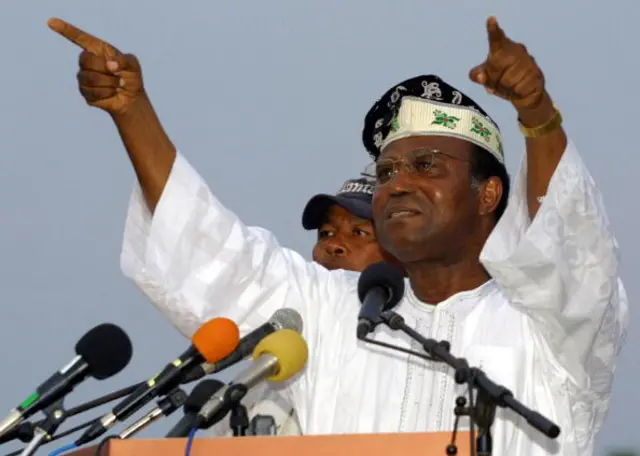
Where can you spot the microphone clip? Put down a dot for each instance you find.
(232, 397)
(239, 420)
(55, 414)
(366, 327)
(172, 401)
(395, 322)
(239, 417)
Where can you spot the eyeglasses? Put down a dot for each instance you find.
(422, 161)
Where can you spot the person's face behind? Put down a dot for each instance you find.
(346, 242)
(429, 208)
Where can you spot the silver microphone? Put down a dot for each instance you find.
(277, 357)
(166, 406)
(265, 366)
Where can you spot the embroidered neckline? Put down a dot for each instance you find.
(453, 303)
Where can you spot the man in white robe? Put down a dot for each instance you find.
(537, 303)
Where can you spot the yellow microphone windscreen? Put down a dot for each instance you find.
(289, 347)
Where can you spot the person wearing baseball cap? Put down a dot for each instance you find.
(344, 221)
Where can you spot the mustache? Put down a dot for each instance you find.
(401, 204)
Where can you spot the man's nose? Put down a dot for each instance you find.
(401, 184)
(335, 249)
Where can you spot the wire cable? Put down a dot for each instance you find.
(63, 449)
(190, 437)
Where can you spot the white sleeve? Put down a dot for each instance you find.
(562, 270)
(196, 260)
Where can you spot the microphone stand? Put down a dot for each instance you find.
(484, 415)
(25, 431)
(54, 414)
(481, 413)
(489, 394)
(239, 420)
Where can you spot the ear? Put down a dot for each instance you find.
(490, 195)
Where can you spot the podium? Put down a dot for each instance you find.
(403, 444)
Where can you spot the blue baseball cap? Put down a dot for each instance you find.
(355, 196)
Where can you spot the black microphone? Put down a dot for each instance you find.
(101, 353)
(380, 288)
(214, 340)
(281, 319)
(198, 397)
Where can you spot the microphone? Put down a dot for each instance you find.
(199, 395)
(25, 431)
(212, 341)
(281, 319)
(101, 353)
(380, 288)
(166, 406)
(277, 357)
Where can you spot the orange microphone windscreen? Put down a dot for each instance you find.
(216, 339)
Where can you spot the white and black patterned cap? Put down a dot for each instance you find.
(355, 196)
(424, 106)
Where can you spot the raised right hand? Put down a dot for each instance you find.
(108, 79)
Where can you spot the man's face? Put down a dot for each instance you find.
(425, 206)
(346, 242)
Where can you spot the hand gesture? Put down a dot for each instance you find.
(108, 79)
(509, 71)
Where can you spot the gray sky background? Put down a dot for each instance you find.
(266, 99)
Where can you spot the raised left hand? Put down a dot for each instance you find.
(510, 72)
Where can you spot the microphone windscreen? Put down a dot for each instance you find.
(287, 319)
(106, 349)
(200, 394)
(290, 349)
(382, 275)
(216, 339)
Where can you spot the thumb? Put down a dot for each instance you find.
(478, 74)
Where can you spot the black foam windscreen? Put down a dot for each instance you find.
(382, 275)
(200, 394)
(106, 349)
